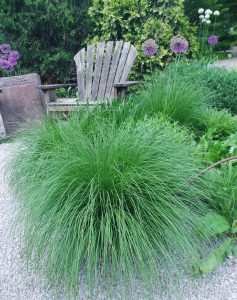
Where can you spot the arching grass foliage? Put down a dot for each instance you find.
(109, 204)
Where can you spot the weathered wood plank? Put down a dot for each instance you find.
(55, 86)
(113, 68)
(128, 64)
(89, 71)
(125, 84)
(105, 70)
(98, 68)
(65, 106)
(122, 61)
(80, 63)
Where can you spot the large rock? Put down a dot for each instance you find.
(20, 100)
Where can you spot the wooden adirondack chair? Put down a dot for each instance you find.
(102, 73)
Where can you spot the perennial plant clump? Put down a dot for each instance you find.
(110, 204)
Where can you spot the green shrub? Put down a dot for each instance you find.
(137, 21)
(47, 33)
(112, 203)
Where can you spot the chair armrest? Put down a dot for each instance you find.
(55, 86)
(121, 88)
(125, 84)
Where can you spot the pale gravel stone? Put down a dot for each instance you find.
(2, 128)
(18, 284)
(230, 63)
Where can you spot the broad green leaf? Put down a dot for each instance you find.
(216, 257)
(234, 227)
(213, 224)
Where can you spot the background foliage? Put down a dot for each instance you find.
(137, 21)
(227, 25)
(47, 33)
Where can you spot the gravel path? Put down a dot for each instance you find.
(229, 63)
(17, 283)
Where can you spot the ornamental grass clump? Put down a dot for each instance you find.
(180, 100)
(109, 205)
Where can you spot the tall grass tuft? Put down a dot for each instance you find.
(110, 205)
(168, 93)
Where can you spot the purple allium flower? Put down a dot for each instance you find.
(8, 58)
(179, 44)
(5, 48)
(10, 69)
(149, 47)
(15, 55)
(213, 39)
(4, 56)
(4, 64)
(12, 61)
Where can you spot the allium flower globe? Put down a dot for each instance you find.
(212, 40)
(201, 17)
(4, 64)
(149, 47)
(208, 12)
(201, 11)
(216, 13)
(207, 16)
(208, 22)
(5, 48)
(204, 20)
(8, 58)
(179, 44)
(15, 54)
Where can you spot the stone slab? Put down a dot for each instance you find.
(20, 101)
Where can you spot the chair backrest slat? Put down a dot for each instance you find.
(89, 70)
(122, 61)
(98, 68)
(105, 71)
(113, 69)
(128, 65)
(80, 63)
(101, 66)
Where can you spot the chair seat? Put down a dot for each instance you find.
(66, 104)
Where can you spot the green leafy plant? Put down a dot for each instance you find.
(111, 203)
(216, 257)
(218, 142)
(66, 93)
(223, 221)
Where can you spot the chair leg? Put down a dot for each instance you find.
(49, 96)
(120, 92)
